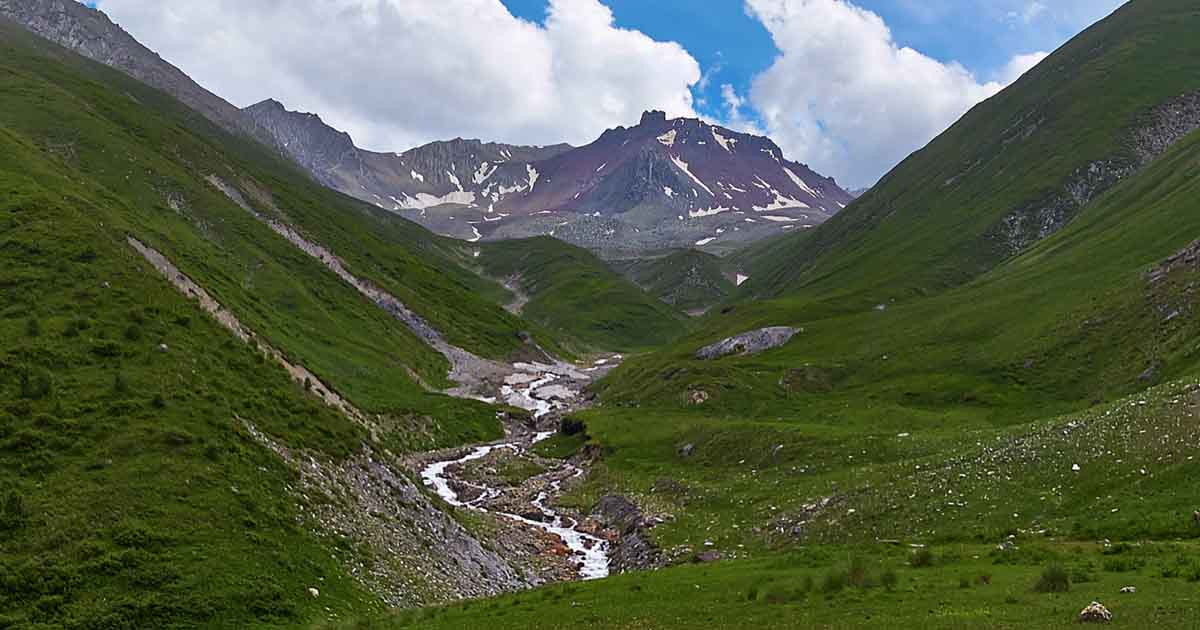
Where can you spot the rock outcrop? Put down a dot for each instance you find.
(632, 550)
(752, 342)
(1150, 136)
(1095, 613)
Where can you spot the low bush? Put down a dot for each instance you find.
(1054, 579)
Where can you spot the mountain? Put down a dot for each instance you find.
(660, 184)
(90, 33)
(657, 185)
(1015, 170)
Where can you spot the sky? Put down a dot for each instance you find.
(849, 87)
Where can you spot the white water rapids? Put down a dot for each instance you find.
(541, 389)
(589, 551)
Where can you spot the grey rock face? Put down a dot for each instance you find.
(1150, 137)
(753, 342)
(632, 551)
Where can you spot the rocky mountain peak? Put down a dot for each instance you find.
(653, 117)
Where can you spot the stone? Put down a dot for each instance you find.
(1095, 613)
(314, 592)
(687, 449)
(708, 556)
(697, 397)
(752, 342)
(1129, 590)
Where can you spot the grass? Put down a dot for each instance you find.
(949, 424)
(573, 294)
(689, 280)
(136, 160)
(929, 224)
(132, 497)
(812, 588)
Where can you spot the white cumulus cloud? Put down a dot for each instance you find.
(395, 73)
(844, 96)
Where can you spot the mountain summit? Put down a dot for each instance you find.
(663, 183)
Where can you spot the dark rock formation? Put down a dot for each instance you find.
(632, 550)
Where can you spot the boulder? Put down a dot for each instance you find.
(314, 592)
(752, 342)
(1129, 590)
(687, 449)
(632, 549)
(1095, 613)
(697, 397)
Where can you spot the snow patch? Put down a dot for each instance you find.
(781, 202)
(417, 176)
(740, 279)
(705, 241)
(668, 139)
(533, 176)
(683, 166)
(485, 171)
(667, 190)
(422, 201)
(778, 219)
(800, 182)
(726, 143)
(708, 212)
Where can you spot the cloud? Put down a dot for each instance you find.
(1032, 10)
(1021, 64)
(843, 96)
(395, 73)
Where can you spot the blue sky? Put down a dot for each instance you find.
(733, 47)
(849, 87)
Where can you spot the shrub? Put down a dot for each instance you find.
(963, 582)
(889, 579)
(13, 512)
(35, 384)
(572, 426)
(120, 384)
(1054, 579)
(133, 333)
(922, 558)
(856, 576)
(835, 581)
(33, 328)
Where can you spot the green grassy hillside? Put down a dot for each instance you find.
(145, 160)
(568, 291)
(933, 221)
(689, 280)
(132, 496)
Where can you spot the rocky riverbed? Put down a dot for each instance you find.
(509, 482)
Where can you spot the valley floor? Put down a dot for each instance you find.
(787, 525)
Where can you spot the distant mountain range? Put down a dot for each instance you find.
(660, 184)
(657, 185)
